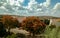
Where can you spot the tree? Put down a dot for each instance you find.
(2, 30)
(46, 21)
(33, 25)
(10, 22)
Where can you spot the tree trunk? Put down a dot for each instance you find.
(9, 30)
(33, 36)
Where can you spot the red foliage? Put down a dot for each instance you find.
(33, 24)
(9, 21)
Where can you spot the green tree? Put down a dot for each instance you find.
(46, 21)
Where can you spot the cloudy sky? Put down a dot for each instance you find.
(30, 7)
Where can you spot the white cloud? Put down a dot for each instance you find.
(57, 6)
(46, 4)
(21, 1)
(15, 2)
(31, 3)
(41, 4)
(39, 9)
(2, 7)
(33, 8)
(11, 2)
(18, 2)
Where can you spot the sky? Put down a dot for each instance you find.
(53, 2)
(30, 7)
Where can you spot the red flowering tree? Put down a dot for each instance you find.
(10, 22)
(34, 25)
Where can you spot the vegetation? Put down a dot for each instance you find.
(49, 33)
(2, 30)
(46, 21)
(10, 22)
(33, 25)
(52, 31)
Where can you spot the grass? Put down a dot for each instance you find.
(50, 32)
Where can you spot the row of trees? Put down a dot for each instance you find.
(32, 24)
